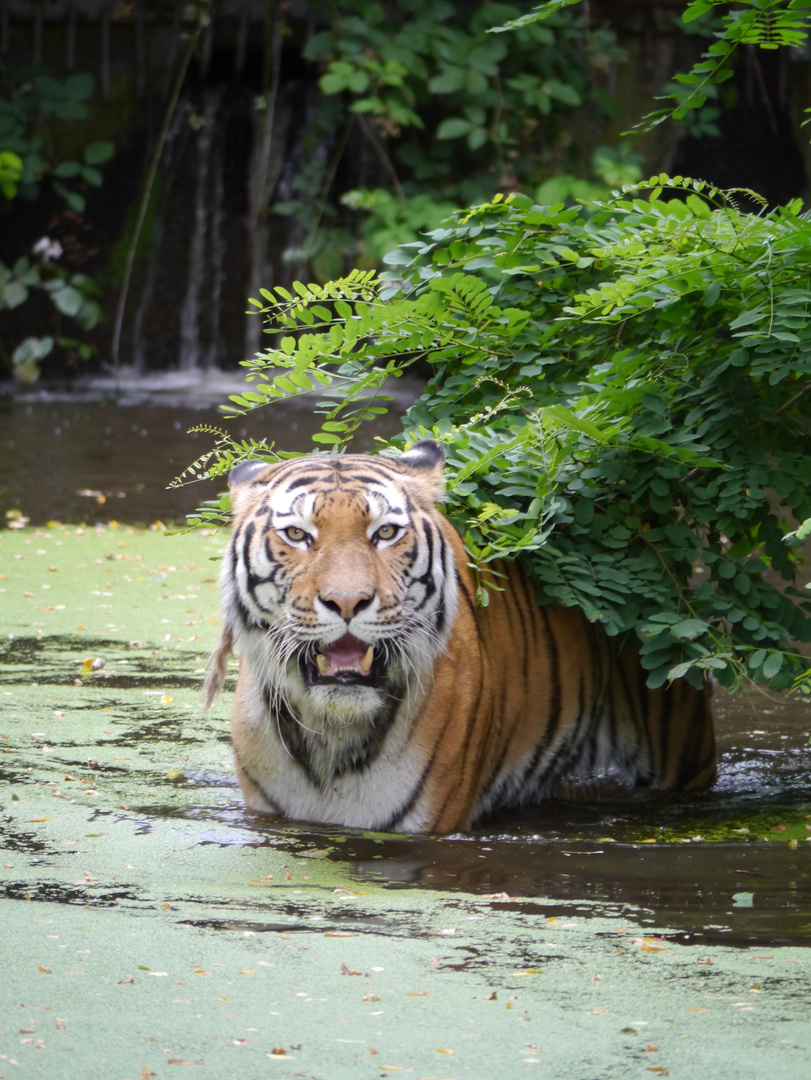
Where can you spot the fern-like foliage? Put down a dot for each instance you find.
(621, 397)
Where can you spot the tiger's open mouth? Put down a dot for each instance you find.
(347, 661)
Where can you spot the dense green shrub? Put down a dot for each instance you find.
(620, 397)
(620, 393)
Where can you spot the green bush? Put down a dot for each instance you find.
(620, 397)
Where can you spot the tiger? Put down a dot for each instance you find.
(373, 692)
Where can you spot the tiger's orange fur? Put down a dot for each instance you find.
(455, 711)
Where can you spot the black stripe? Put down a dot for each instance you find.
(463, 591)
(391, 823)
(275, 808)
(301, 481)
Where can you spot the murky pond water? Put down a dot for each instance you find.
(732, 865)
(87, 459)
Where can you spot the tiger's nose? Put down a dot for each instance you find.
(346, 606)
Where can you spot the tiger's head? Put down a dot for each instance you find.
(339, 585)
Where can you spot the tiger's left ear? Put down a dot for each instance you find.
(424, 462)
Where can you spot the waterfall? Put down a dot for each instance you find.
(191, 289)
(200, 344)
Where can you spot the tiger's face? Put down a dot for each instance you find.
(338, 580)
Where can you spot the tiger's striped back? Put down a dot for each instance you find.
(373, 693)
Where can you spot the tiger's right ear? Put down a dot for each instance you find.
(239, 477)
(241, 474)
(424, 462)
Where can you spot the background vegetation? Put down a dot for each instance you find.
(619, 387)
(280, 140)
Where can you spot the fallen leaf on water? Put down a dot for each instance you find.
(126, 979)
(277, 1051)
(698, 1008)
(659, 1070)
(345, 970)
(339, 933)
(417, 993)
(44, 970)
(649, 944)
(651, 1049)
(178, 1061)
(600, 1011)
(442, 1050)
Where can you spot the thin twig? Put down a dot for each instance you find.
(380, 150)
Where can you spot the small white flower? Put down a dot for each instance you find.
(47, 248)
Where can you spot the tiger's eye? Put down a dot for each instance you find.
(386, 532)
(295, 534)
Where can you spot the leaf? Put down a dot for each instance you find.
(453, 128)
(772, 665)
(711, 293)
(746, 318)
(79, 86)
(68, 300)
(96, 153)
(67, 169)
(91, 176)
(689, 628)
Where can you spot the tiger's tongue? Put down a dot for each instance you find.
(346, 654)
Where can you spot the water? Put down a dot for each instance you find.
(79, 458)
(718, 867)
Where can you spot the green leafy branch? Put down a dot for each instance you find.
(765, 24)
(620, 397)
